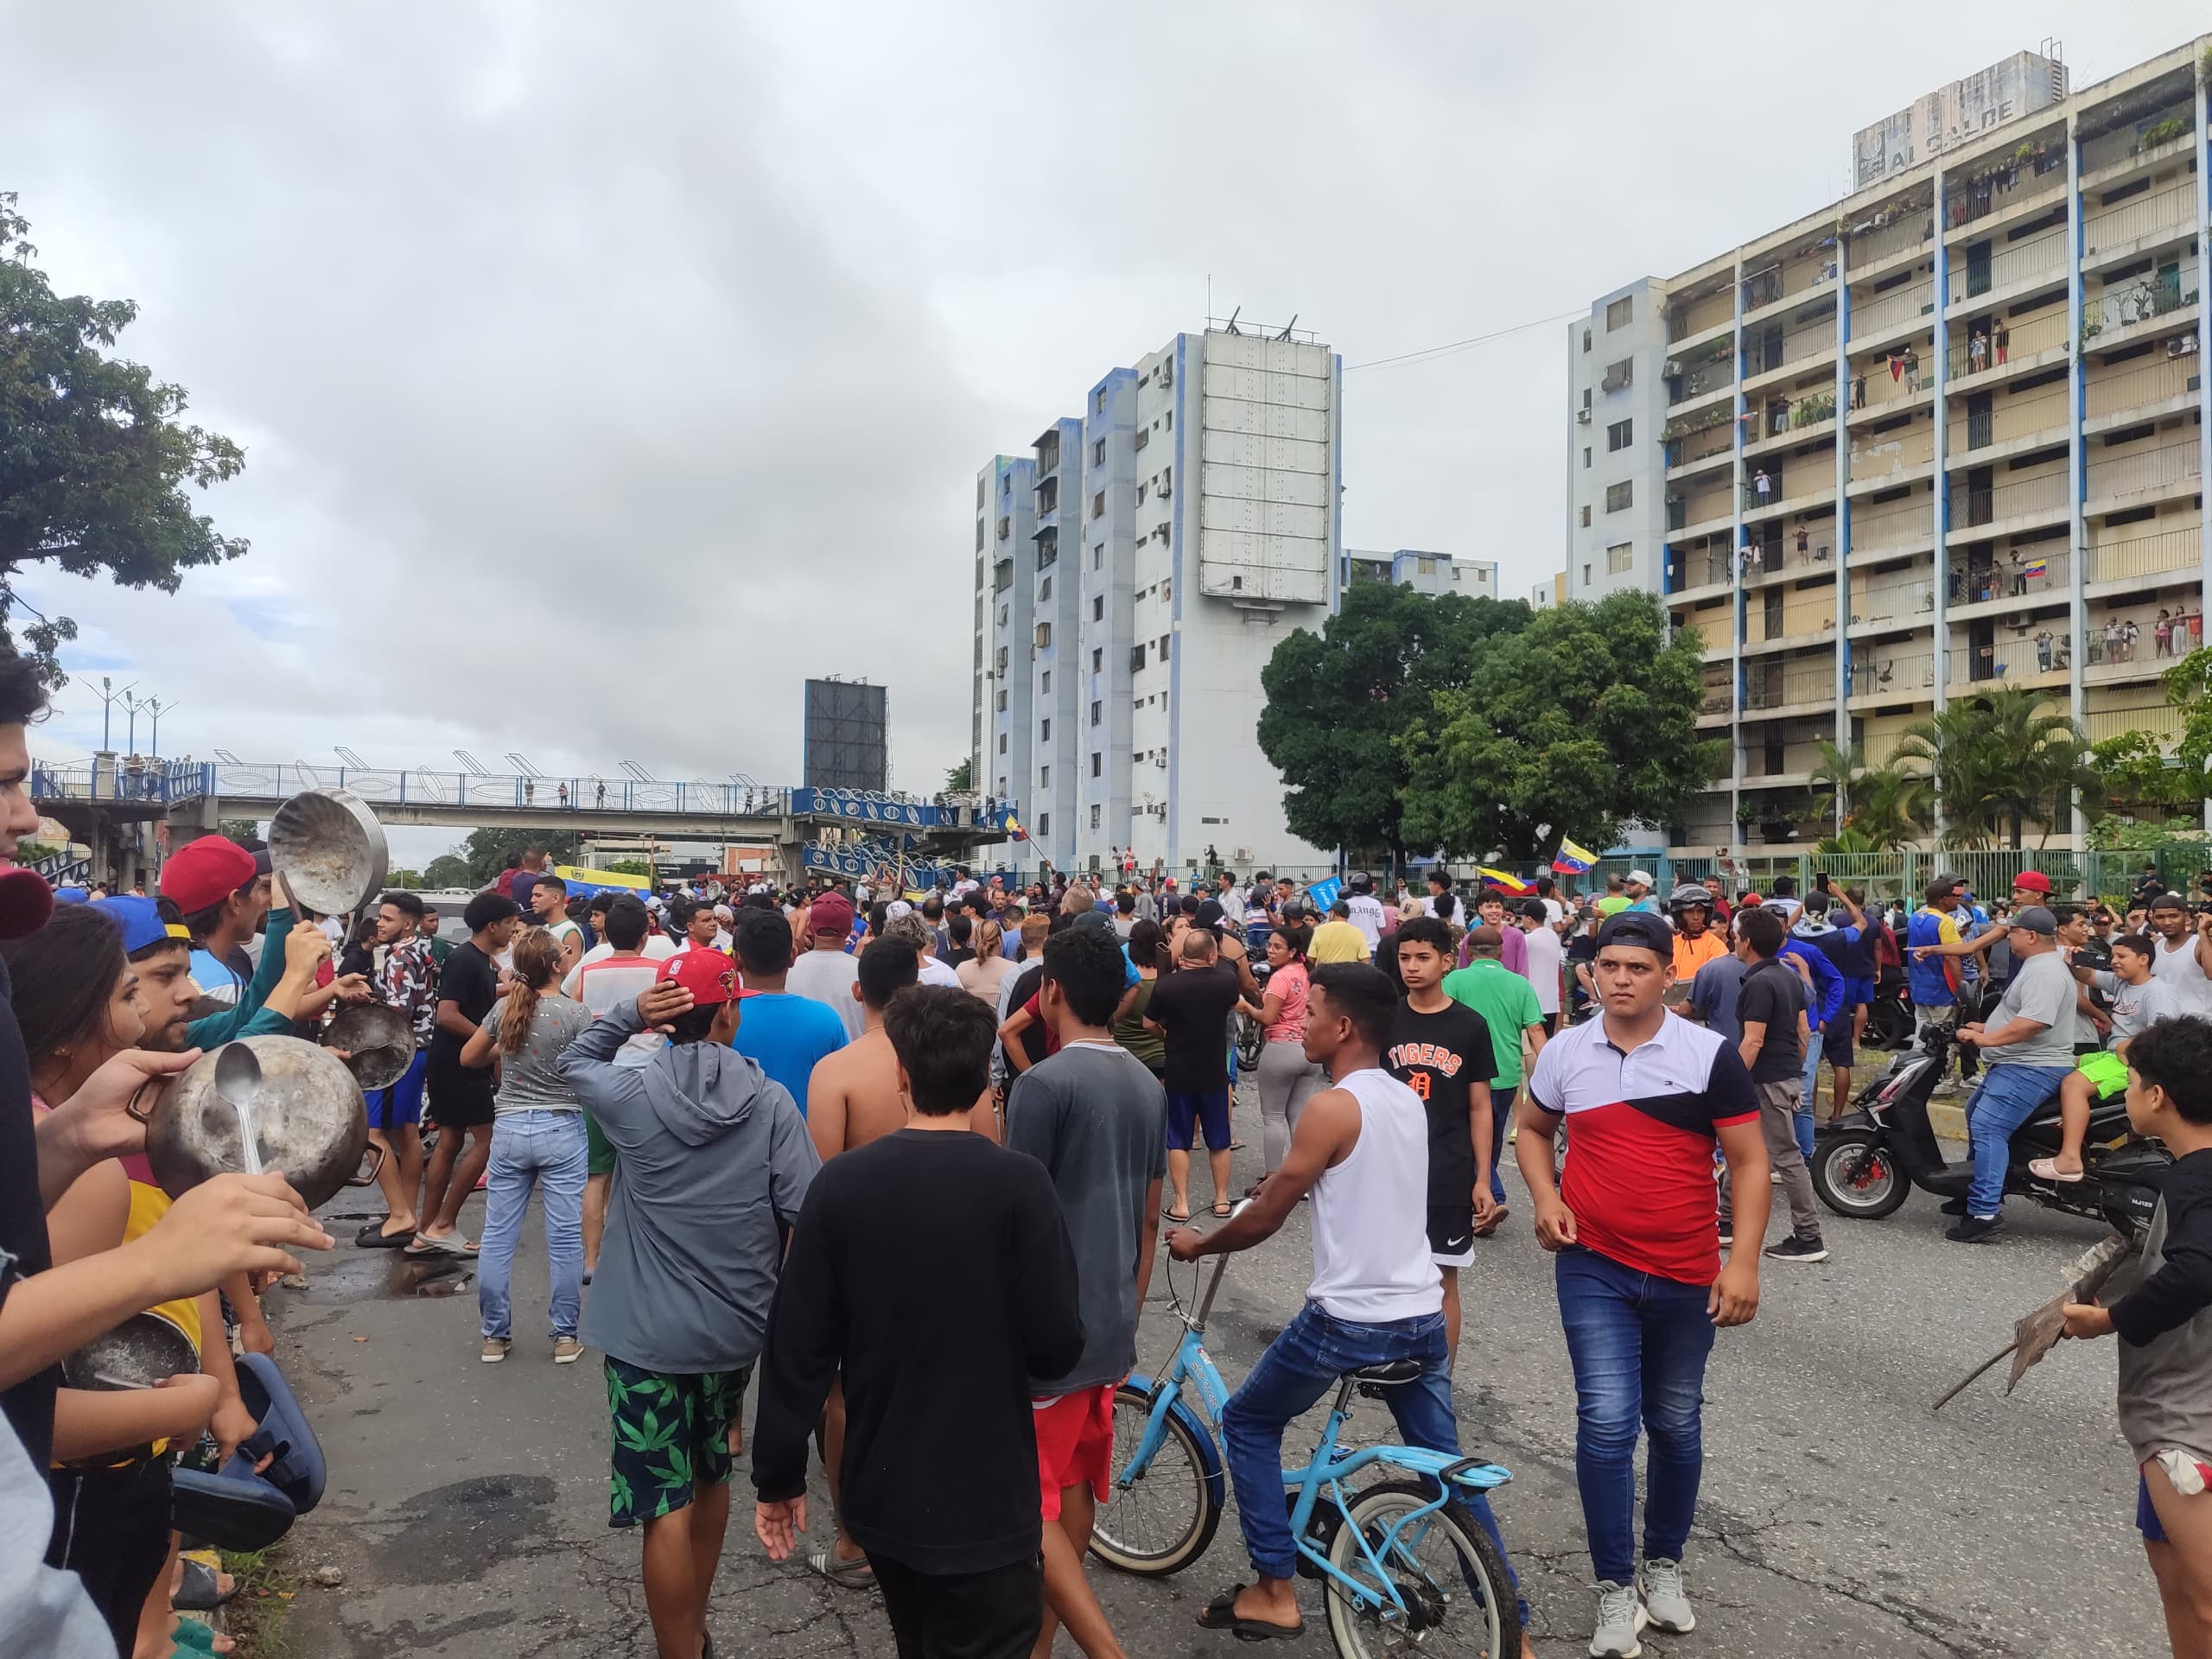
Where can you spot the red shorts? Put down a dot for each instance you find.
(1075, 1443)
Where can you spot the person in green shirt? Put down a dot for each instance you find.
(1507, 1003)
(1616, 899)
(440, 949)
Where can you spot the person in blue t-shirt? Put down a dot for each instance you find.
(786, 1035)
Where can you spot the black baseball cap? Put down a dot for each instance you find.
(1643, 928)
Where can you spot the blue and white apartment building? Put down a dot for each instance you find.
(1133, 573)
(1945, 434)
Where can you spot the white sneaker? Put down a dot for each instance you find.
(1620, 1617)
(1665, 1600)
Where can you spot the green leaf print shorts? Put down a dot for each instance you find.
(671, 1432)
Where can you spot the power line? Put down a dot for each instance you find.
(1428, 352)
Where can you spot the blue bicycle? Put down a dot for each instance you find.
(1392, 1557)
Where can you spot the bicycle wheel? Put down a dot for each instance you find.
(1164, 1521)
(1446, 1569)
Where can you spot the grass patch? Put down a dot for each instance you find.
(256, 1618)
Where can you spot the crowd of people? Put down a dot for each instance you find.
(770, 1135)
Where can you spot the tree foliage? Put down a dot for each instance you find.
(2000, 762)
(93, 463)
(486, 850)
(240, 829)
(2139, 776)
(446, 872)
(959, 779)
(1573, 724)
(1340, 701)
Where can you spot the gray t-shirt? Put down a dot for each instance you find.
(528, 1081)
(2042, 990)
(1097, 1120)
(2134, 1007)
(1712, 994)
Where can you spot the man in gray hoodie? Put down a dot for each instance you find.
(714, 1159)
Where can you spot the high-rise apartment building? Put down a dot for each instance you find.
(1423, 571)
(1946, 434)
(1132, 578)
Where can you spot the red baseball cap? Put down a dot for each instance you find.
(2032, 881)
(204, 872)
(710, 975)
(831, 913)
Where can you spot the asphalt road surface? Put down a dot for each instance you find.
(466, 1508)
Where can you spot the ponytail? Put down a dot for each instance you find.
(537, 959)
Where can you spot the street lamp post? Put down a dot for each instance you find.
(108, 694)
(154, 705)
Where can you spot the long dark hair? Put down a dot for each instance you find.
(63, 976)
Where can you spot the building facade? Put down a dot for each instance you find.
(1947, 435)
(1423, 571)
(1172, 534)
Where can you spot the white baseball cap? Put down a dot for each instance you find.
(1642, 877)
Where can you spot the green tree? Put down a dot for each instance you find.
(238, 828)
(486, 850)
(410, 880)
(961, 778)
(1890, 806)
(1834, 776)
(93, 463)
(2139, 776)
(446, 872)
(2000, 762)
(1339, 701)
(629, 866)
(1583, 719)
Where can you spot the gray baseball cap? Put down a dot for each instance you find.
(2034, 918)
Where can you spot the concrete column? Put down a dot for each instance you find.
(2077, 459)
(2204, 334)
(1842, 511)
(1736, 562)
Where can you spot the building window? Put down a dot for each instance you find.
(1094, 817)
(1586, 576)
(1171, 420)
(1620, 435)
(1102, 400)
(1098, 608)
(1098, 556)
(982, 533)
(1098, 452)
(1620, 313)
(1044, 587)
(1001, 702)
(1045, 731)
(1098, 659)
(1098, 505)
(1044, 824)
(1586, 456)
(1045, 683)
(1097, 709)
(1006, 484)
(1619, 557)
(1001, 742)
(1167, 480)
(1586, 517)
(1620, 375)
(1044, 777)
(1043, 636)
(1621, 495)
(1097, 766)
(1586, 339)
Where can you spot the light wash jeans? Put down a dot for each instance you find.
(533, 1148)
(2010, 1095)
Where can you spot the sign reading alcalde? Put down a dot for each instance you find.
(1951, 116)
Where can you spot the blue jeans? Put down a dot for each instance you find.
(1301, 1366)
(1803, 1120)
(1502, 1101)
(2007, 1098)
(1639, 1344)
(544, 1149)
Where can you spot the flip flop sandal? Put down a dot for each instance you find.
(1222, 1211)
(1497, 1220)
(2047, 1169)
(1220, 1614)
(1183, 1220)
(373, 1237)
(202, 1590)
(453, 1245)
(855, 1574)
(193, 1637)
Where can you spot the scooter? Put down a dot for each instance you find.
(1889, 1016)
(1249, 1034)
(1867, 1161)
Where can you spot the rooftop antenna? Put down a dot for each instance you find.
(1230, 326)
(1287, 327)
(470, 762)
(350, 757)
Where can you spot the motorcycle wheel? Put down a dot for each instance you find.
(1855, 1176)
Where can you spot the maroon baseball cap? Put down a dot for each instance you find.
(710, 975)
(203, 873)
(831, 913)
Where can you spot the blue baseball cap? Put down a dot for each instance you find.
(140, 922)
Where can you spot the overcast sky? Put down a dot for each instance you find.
(603, 371)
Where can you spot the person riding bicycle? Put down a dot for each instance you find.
(1361, 1150)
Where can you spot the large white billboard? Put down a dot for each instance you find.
(1955, 114)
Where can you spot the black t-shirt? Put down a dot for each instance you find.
(24, 1248)
(1772, 993)
(471, 983)
(1192, 1005)
(1581, 948)
(1438, 1056)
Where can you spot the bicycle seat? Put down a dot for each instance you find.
(1389, 1373)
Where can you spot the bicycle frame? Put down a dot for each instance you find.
(1323, 1471)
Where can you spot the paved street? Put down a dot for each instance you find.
(467, 1502)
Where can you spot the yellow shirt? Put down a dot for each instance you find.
(1338, 941)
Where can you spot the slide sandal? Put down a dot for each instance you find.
(1220, 1614)
(855, 1574)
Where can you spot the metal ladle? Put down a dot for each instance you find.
(237, 1080)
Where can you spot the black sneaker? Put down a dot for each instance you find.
(1797, 1249)
(1974, 1229)
(1955, 1206)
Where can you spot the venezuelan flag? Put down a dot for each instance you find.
(2036, 568)
(1504, 882)
(1572, 860)
(1014, 828)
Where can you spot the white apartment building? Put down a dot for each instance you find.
(1945, 434)
(1423, 571)
(1132, 578)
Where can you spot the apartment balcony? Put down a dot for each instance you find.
(1803, 621)
(2150, 558)
(2142, 390)
(1886, 606)
(2124, 643)
(1999, 352)
(1788, 422)
(2017, 190)
(1880, 676)
(1693, 577)
(2010, 273)
(2019, 579)
(1889, 531)
(2138, 226)
(2015, 423)
(2110, 315)
(1692, 320)
(1869, 254)
(1766, 506)
(1880, 388)
(1690, 452)
(1699, 382)
(2154, 717)
(1718, 706)
(1884, 462)
(1773, 690)
(1772, 293)
(1763, 365)
(2007, 509)
(2042, 660)
(1715, 635)
(1893, 309)
(2138, 146)
(1701, 514)
(2139, 475)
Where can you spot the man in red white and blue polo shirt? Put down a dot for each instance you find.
(1645, 1095)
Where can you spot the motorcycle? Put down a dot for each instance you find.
(1889, 1016)
(1249, 1033)
(1867, 1161)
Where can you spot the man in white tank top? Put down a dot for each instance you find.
(1361, 1150)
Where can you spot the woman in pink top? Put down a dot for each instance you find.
(1286, 1078)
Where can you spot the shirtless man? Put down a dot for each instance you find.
(853, 1098)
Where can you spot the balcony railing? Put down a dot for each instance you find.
(2022, 574)
(2159, 720)
(2021, 263)
(2002, 343)
(1913, 447)
(1970, 508)
(1764, 489)
(1807, 342)
(2012, 659)
(1977, 198)
(1801, 615)
(1707, 377)
(1797, 685)
(2149, 554)
(1883, 672)
(2135, 302)
(2108, 148)
(1897, 305)
(1875, 382)
(1898, 526)
(2146, 472)
(1699, 315)
(2160, 213)
(1897, 601)
(1717, 700)
(2129, 637)
(1701, 445)
(2009, 420)
(1698, 509)
(2140, 382)
(1913, 231)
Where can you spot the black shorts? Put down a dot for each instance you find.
(111, 1529)
(1451, 1234)
(461, 1099)
(1836, 1041)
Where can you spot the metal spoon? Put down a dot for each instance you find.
(238, 1081)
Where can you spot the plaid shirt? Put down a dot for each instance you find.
(409, 981)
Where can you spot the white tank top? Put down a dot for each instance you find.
(1370, 1212)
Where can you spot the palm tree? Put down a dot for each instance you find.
(1891, 805)
(1837, 772)
(1999, 761)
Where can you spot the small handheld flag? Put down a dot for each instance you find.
(1014, 828)
(1504, 882)
(1572, 860)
